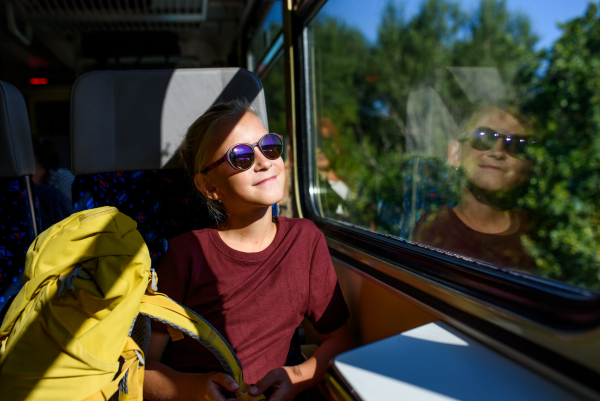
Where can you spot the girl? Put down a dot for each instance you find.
(253, 277)
(491, 157)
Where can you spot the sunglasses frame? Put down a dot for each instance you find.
(227, 156)
(498, 136)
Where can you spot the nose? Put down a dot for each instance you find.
(261, 162)
(498, 151)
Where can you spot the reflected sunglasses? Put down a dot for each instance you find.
(241, 156)
(485, 138)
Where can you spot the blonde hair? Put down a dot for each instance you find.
(468, 124)
(199, 144)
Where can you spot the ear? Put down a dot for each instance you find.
(454, 154)
(205, 187)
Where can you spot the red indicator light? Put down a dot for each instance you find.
(38, 81)
(371, 78)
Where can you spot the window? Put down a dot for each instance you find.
(267, 34)
(274, 84)
(469, 127)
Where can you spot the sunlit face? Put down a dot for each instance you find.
(260, 186)
(493, 169)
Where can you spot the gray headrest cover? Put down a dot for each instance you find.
(16, 149)
(136, 120)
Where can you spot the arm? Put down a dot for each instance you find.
(162, 383)
(288, 381)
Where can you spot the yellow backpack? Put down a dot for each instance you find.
(68, 333)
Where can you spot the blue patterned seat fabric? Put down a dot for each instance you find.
(160, 201)
(16, 231)
(425, 187)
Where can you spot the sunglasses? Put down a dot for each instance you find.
(485, 138)
(241, 156)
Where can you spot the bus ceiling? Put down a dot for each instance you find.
(78, 36)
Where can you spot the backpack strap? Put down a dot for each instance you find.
(133, 368)
(181, 320)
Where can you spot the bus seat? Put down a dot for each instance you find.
(126, 127)
(17, 225)
(425, 186)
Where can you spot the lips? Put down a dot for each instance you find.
(489, 167)
(266, 180)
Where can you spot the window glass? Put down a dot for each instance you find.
(471, 127)
(274, 86)
(266, 35)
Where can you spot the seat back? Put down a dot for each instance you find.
(17, 216)
(126, 127)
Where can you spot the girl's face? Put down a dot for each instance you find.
(493, 169)
(260, 186)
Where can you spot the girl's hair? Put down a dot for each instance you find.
(464, 130)
(201, 140)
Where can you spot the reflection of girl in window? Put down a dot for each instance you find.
(490, 156)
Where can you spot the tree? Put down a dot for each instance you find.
(564, 191)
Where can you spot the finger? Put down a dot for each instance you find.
(213, 390)
(271, 378)
(226, 381)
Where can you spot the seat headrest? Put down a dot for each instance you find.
(136, 120)
(16, 148)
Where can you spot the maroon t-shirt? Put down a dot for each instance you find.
(255, 300)
(444, 229)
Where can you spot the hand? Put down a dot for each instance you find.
(282, 380)
(209, 385)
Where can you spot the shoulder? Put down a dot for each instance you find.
(443, 213)
(51, 194)
(187, 242)
(61, 174)
(297, 222)
(302, 227)
(432, 220)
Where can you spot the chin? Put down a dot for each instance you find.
(276, 198)
(270, 198)
(503, 186)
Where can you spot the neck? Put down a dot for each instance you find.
(479, 214)
(251, 232)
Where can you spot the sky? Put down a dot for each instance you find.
(544, 14)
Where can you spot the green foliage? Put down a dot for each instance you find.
(274, 85)
(565, 193)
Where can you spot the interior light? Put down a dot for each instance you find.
(38, 81)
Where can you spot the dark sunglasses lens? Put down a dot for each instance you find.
(241, 157)
(271, 146)
(483, 138)
(518, 146)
